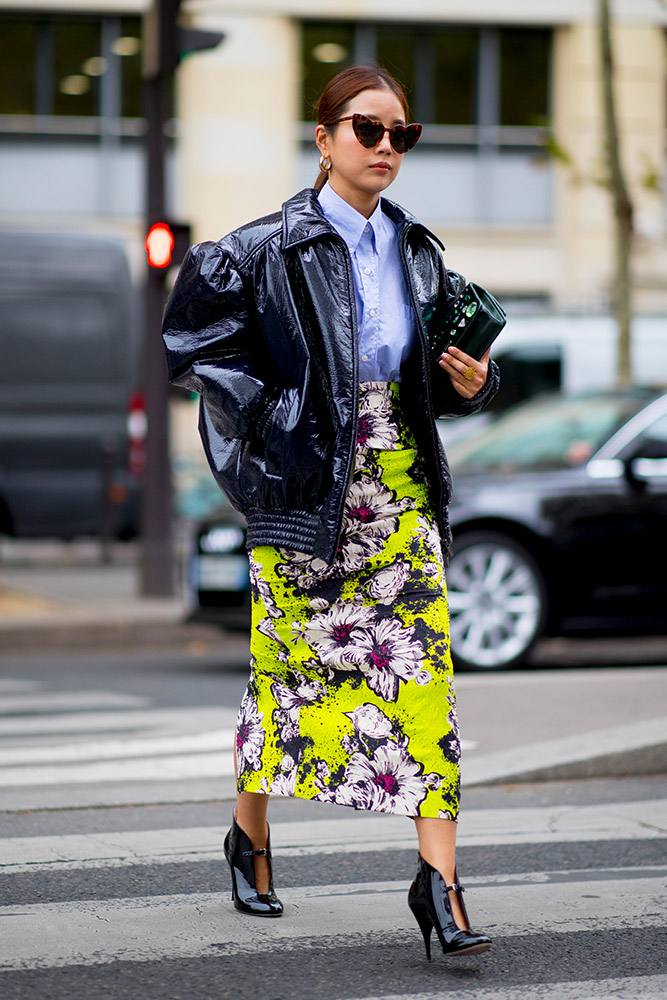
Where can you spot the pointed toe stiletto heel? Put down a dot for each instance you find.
(428, 899)
(240, 857)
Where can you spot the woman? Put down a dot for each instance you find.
(305, 333)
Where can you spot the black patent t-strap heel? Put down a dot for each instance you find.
(428, 899)
(240, 857)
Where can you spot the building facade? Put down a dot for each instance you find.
(507, 172)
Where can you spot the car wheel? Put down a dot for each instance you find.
(497, 601)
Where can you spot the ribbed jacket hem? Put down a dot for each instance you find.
(299, 530)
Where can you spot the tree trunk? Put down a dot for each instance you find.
(623, 211)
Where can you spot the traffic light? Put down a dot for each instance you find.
(167, 242)
(159, 245)
(166, 41)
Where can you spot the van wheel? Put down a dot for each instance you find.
(497, 601)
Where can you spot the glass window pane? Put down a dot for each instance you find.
(544, 434)
(77, 67)
(455, 75)
(327, 49)
(128, 47)
(524, 76)
(17, 66)
(396, 53)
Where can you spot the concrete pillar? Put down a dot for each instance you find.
(238, 106)
(583, 207)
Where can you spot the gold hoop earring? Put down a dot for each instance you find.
(325, 163)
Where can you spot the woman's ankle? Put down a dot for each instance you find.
(257, 831)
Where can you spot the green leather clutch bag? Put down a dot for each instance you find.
(472, 323)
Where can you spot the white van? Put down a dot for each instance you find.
(570, 354)
(586, 348)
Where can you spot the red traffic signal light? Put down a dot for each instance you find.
(159, 245)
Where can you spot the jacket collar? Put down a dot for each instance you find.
(303, 219)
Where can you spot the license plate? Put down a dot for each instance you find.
(221, 572)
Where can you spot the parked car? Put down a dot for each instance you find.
(560, 525)
(71, 426)
(560, 528)
(216, 579)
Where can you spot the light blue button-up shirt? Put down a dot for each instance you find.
(385, 317)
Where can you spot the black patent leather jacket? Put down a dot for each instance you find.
(263, 325)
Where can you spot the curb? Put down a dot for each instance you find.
(110, 634)
(631, 750)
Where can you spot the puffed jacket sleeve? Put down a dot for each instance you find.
(447, 401)
(213, 343)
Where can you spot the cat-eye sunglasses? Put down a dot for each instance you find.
(370, 133)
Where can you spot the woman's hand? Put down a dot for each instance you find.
(466, 374)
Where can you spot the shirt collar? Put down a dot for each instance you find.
(346, 220)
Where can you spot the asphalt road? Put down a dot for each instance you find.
(116, 789)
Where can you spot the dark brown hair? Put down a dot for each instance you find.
(343, 88)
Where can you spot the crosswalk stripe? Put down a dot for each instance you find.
(13, 684)
(217, 740)
(167, 719)
(165, 768)
(139, 929)
(630, 988)
(357, 834)
(54, 701)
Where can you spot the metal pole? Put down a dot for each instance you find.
(157, 564)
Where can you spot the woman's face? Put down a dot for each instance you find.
(358, 174)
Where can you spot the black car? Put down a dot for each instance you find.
(560, 528)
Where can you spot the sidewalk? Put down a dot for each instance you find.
(554, 724)
(59, 597)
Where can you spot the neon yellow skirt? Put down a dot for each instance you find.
(351, 698)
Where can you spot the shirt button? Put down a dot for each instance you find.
(367, 270)
(367, 229)
(364, 357)
(372, 312)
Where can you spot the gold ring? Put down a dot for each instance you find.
(469, 374)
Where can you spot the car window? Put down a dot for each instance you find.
(651, 443)
(553, 433)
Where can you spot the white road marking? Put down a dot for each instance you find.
(55, 701)
(151, 928)
(630, 988)
(12, 684)
(165, 719)
(167, 768)
(90, 750)
(360, 833)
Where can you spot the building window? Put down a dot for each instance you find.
(326, 51)
(483, 97)
(524, 76)
(17, 66)
(455, 57)
(70, 65)
(443, 70)
(76, 66)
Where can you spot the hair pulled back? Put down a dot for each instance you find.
(343, 88)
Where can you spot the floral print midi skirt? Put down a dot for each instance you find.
(350, 698)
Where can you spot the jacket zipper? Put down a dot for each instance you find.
(355, 398)
(427, 383)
